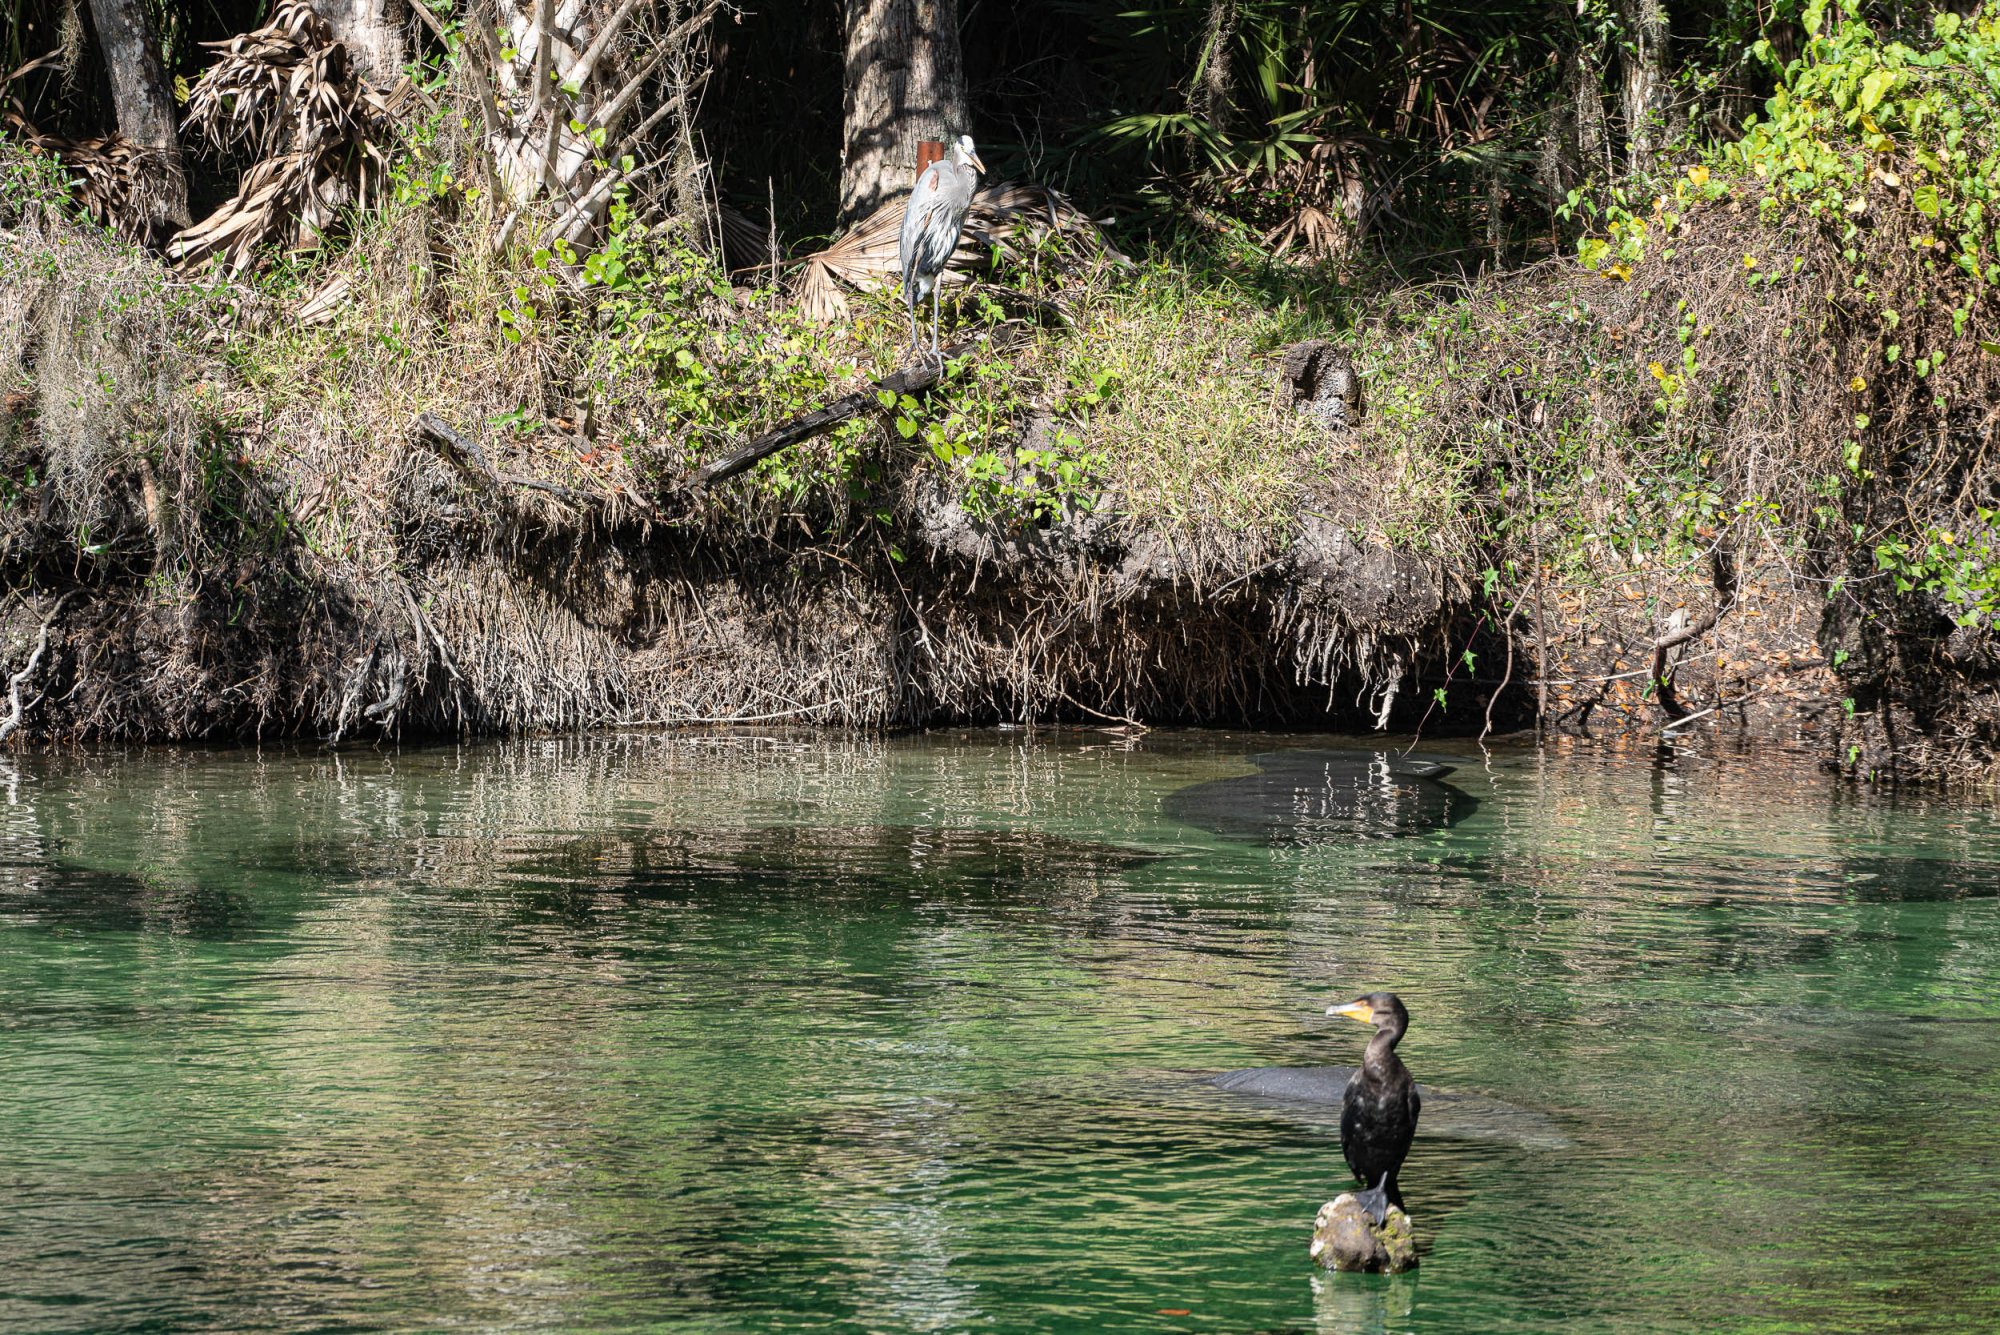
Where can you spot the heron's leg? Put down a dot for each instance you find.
(937, 297)
(916, 339)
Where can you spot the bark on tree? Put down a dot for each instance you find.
(905, 84)
(572, 88)
(373, 33)
(1643, 87)
(143, 102)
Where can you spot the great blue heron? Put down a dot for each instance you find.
(931, 224)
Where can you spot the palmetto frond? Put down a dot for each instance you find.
(1005, 216)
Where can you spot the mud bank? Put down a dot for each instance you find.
(192, 553)
(507, 610)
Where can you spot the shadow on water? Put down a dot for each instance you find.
(644, 889)
(64, 896)
(1315, 797)
(1891, 880)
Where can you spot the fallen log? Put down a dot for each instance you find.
(915, 379)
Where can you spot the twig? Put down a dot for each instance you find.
(1124, 719)
(1541, 615)
(423, 12)
(771, 194)
(1720, 703)
(748, 718)
(485, 64)
(658, 114)
(586, 64)
(608, 115)
(1507, 634)
(545, 49)
(435, 428)
(1662, 680)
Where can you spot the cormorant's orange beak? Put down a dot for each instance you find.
(1354, 1010)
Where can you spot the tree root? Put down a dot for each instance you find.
(1661, 677)
(17, 709)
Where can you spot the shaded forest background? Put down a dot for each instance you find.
(1442, 133)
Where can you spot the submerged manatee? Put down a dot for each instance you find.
(1311, 797)
(1315, 1092)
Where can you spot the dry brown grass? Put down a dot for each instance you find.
(268, 547)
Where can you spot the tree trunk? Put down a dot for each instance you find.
(1208, 99)
(145, 107)
(579, 86)
(373, 33)
(1643, 55)
(905, 84)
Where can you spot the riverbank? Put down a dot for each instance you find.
(1726, 470)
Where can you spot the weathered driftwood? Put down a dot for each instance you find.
(914, 379)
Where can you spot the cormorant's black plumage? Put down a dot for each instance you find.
(1378, 1113)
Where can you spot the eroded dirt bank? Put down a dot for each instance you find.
(190, 556)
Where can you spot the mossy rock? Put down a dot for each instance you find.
(1345, 1238)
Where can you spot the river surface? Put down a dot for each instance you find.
(783, 1033)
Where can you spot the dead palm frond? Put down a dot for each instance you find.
(1008, 217)
(119, 184)
(289, 93)
(744, 245)
(247, 97)
(1329, 191)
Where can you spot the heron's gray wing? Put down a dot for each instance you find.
(911, 247)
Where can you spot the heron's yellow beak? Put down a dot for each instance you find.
(978, 166)
(1354, 1010)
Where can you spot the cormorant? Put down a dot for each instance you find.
(1378, 1113)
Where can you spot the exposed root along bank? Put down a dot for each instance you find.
(497, 612)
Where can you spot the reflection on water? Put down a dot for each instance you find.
(911, 1035)
(1363, 1304)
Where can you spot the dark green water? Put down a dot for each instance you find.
(813, 1034)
